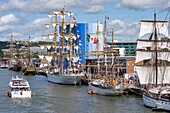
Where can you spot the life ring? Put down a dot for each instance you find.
(94, 92)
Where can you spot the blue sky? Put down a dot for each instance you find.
(24, 18)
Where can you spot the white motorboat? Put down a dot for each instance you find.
(19, 88)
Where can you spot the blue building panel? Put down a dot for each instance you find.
(81, 31)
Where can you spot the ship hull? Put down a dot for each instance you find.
(17, 68)
(20, 94)
(66, 79)
(107, 91)
(156, 103)
(29, 71)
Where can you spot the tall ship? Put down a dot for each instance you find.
(29, 68)
(105, 83)
(153, 63)
(64, 59)
(15, 62)
(11, 59)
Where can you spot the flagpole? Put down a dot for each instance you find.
(112, 38)
(104, 32)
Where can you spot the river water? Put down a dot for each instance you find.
(54, 98)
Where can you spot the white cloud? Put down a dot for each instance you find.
(8, 19)
(122, 28)
(6, 28)
(36, 39)
(44, 6)
(15, 34)
(37, 23)
(100, 1)
(17, 4)
(94, 9)
(143, 4)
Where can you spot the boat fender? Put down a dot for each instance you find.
(21, 93)
(89, 91)
(94, 92)
(8, 94)
(32, 94)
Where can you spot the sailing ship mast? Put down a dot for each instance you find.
(11, 50)
(105, 49)
(55, 38)
(156, 48)
(62, 52)
(112, 48)
(29, 56)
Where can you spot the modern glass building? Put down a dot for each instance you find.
(130, 47)
(87, 46)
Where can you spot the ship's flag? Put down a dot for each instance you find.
(73, 17)
(78, 36)
(76, 24)
(106, 17)
(95, 41)
(91, 39)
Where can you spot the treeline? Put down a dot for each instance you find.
(5, 44)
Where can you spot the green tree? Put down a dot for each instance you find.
(1, 54)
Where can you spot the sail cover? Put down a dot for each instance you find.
(147, 27)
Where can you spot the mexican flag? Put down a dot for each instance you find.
(91, 39)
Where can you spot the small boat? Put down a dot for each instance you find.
(134, 90)
(29, 71)
(19, 88)
(98, 87)
(17, 67)
(10, 67)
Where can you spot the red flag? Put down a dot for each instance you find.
(76, 24)
(95, 41)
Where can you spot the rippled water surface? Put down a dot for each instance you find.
(54, 98)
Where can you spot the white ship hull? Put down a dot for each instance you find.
(112, 91)
(67, 79)
(153, 103)
(20, 94)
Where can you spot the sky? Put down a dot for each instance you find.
(24, 18)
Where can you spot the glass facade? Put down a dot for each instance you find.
(130, 47)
